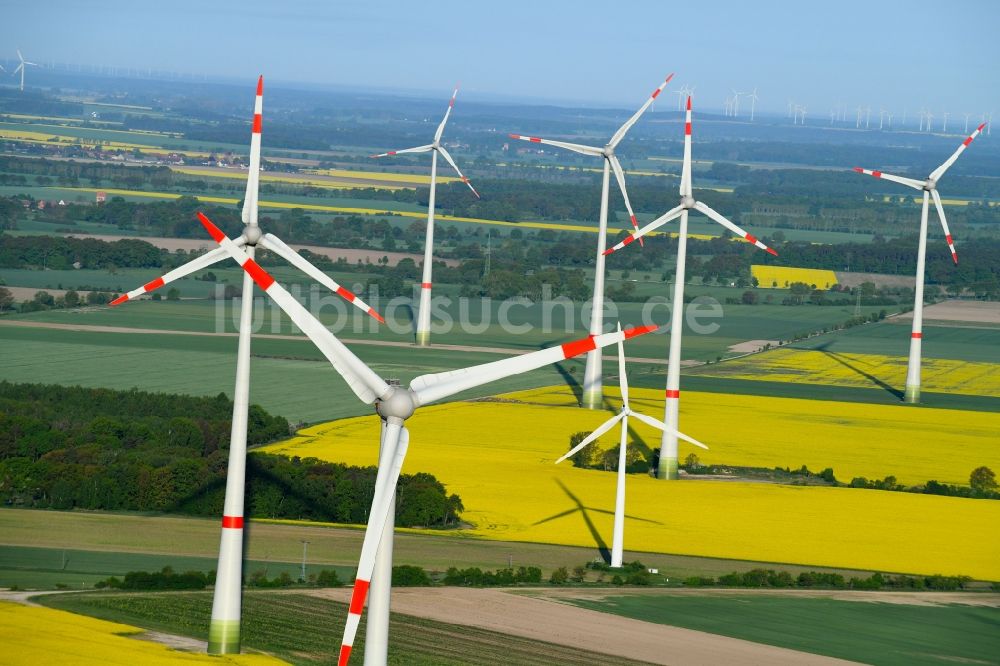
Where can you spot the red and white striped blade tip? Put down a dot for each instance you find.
(689, 103)
(260, 85)
(377, 316)
(345, 655)
(124, 297)
(635, 331)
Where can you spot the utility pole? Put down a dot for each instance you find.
(489, 252)
(305, 548)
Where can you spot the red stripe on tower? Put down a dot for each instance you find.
(232, 522)
(425, 285)
(257, 122)
(671, 393)
(577, 347)
(155, 284)
(916, 335)
(259, 275)
(358, 596)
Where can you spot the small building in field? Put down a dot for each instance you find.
(101, 197)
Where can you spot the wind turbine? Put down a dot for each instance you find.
(930, 118)
(736, 102)
(944, 126)
(626, 411)
(394, 405)
(929, 187)
(423, 337)
(224, 631)
(967, 115)
(668, 444)
(21, 66)
(753, 103)
(592, 389)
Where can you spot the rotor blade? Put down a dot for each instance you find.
(656, 423)
(249, 214)
(19, 68)
(622, 377)
(620, 177)
(937, 173)
(418, 149)
(601, 429)
(944, 225)
(447, 157)
(204, 261)
(575, 147)
(382, 504)
(429, 388)
(671, 214)
(909, 182)
(19, 56)
(620, 134)
(444, 121)
(276, 245)
(367, 385)
(685, 188)
(750, 238)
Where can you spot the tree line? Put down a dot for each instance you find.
(72, 447)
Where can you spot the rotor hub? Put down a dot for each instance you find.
(609, 150)
(397, 403)
(252, 235)
(687, 202)
(930, 185)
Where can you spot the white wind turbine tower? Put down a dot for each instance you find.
(967, 116)
(224, 631)
(944, 125)
(394, 404)
(593, 396)
(753, 103)
(736, 102)
(668, 445)
(626, 411)
(21, 67)
(929, 187)
(868, 117)
(423, 334)
(930, 119)
(680, 97)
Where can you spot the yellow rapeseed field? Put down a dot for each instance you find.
(416, 178)
(864, 370)
(769, 277)
(498, 456)
(30, 636)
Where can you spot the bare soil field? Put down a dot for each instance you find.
(970, 312)
(546, 619)
(850, 279)
(332, 253)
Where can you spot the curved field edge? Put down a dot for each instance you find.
(303, 629)
(31, 635)
(506, 477)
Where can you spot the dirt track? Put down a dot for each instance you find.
(548, 620)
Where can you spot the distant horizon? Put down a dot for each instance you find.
(546, 53)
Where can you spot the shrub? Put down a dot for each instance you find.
(407, 575)
(559, 577)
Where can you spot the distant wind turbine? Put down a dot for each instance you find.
(21, 66)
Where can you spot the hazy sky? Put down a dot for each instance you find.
(942, 55)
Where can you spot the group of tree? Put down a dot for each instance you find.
(71, 447)
(821, 579)
(592, 456)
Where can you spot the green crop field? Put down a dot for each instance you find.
(868, 632)
(892, 338)
(46, 568)
(106, 543)
(303, 629)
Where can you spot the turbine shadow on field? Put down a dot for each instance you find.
(867, 375)
(571, 381)
(583, 510)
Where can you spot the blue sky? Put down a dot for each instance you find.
(942, 55)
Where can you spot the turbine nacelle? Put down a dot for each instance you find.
(398, 403)
(930, 185)
(687, 202)
(252, 235)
